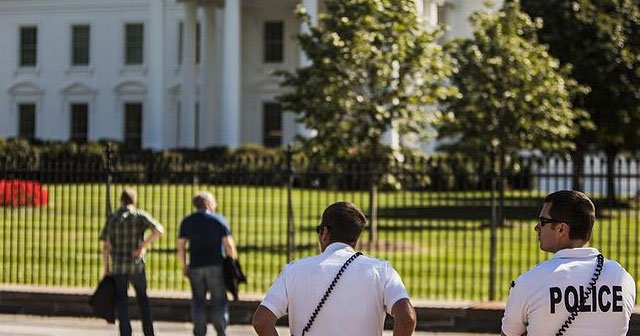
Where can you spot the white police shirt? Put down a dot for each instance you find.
(366, 290)
(540, 299)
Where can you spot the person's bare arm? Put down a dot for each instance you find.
(404, 318)
(140, 250)
(264, 322)
(230, 247)
(182, 255)
(106, 249)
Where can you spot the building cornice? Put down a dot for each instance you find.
(69, 7)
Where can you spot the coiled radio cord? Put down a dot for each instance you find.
(328, 292)
(583, 300)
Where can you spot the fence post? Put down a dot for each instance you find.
(373, 202)
(108, 177)
(493, 240)
(291, 231)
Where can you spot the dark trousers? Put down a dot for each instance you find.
(139, 282)
(208, 279)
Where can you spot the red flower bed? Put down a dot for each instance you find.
(17, 193)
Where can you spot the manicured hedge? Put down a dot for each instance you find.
(248, 165)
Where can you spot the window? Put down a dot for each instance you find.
(442, 14)
(133, 126)
(79, 122)
(273, 41)
(178, 125)
(196, 127)
(27, 121)
(28, 46)
(180, 41)
(198, 42)
(80, 45)
(134, 44)
(272, 125)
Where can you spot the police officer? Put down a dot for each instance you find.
(577, 292)
(365, 288)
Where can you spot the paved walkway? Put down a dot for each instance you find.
(22, 325)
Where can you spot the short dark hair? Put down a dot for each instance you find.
(576, 209)
(129, 196)
(345, 222)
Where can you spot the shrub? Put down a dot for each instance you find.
(17, 193)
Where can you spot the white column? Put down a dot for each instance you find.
(430, 14)
(219, 80)
(311, 6)
(391, 137)
(188, 72)
(155, 111)
(231, 106)
(420, 8)
(208, 91)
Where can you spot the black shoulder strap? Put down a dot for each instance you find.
(592, 284)
(328, 292)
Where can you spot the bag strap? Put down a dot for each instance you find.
(583, 300)
(328, 292)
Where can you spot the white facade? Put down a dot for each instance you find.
(221, 100)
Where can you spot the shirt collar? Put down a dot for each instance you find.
(580, 252)
(337, 246)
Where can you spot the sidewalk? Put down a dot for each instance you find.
(433, 316)
(23, 325)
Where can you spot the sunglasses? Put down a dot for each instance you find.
(543, 221)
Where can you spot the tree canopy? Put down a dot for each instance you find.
(601, 40)
(374, 66)
(514, 95)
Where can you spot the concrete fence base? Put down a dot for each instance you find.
(432, 315)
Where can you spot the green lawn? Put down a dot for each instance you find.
(438, 242)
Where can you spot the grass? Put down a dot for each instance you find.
(438, 241)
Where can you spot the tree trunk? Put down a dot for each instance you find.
(611, 154)
(373, 191)
(577, 157)
(501, 187)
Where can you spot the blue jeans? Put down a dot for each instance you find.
(203, 279)
(139, 282)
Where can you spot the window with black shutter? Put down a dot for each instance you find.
(27, 120)
(274, 42)
(134, 44)
(80, 45)
(272, 125)
(133, 126)
(28, 46)
(79, 122)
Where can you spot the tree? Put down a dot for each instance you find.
(514, 95)
(374, 67)
(601, 39)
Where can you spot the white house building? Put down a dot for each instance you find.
(159, 73)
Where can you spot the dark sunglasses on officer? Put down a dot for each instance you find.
(542, 221)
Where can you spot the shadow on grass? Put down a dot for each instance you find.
(457, 212)
(275, 248)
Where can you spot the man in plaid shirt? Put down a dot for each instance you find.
(123, 240)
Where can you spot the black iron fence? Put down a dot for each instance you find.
(454, 229)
